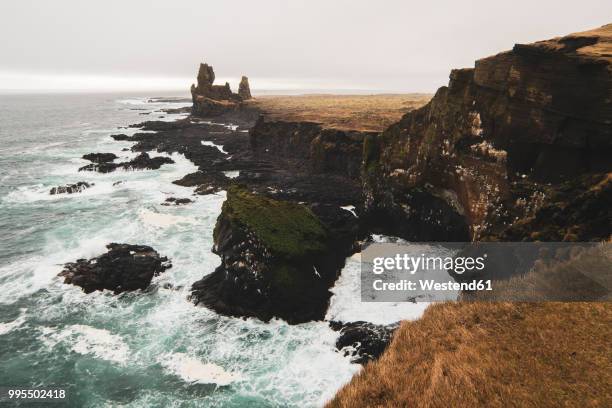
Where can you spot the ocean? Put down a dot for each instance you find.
(150, 348)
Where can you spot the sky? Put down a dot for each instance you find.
(382, 45)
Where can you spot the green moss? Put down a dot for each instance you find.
(287, 229)
(371, 153)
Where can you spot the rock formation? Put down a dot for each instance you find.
(277, 259)
(140, 162)
(363, 341)
(213, 100)
(100, 157)
(71, 188)
(244, 90)
(123, 268)
(499, 146)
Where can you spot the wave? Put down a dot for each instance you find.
(194, 371)
(87, 340)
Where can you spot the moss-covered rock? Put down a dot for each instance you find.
(286, 229)
(278, 259)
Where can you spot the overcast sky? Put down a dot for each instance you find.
(376, 45)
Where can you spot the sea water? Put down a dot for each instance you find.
(147, 348)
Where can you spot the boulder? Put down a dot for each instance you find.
(123, 268)
(100, 157)
(177, 201)
(140, 162)
(71, 188)
(363, 341)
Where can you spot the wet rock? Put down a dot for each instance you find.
(244, 90)
(177, 201)
(144, 161)
(277, 259)
(205, 182)
(123, 268)
(140, 162)
(363, 341)
(71, 188)
(100, 157)
(121, 136)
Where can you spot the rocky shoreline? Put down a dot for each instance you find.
(503, 153)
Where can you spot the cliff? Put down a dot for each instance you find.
(523, 131)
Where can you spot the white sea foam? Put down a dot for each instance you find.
(160, 220)
(208, 143)
(350, 208)
(88, 340)
(12, 325)
(232, 173)
(194, 371)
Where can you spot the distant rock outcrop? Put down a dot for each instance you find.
(213, 100)
(244, 90)
(501, 147)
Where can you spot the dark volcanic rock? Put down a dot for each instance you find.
(144, 161)
(177, 201)
(121, 136)
(140, 162)
(363, 341)
(320, 150)
(100, 157)
(244, 90)
(277, 259)
(493, 149)
(71, 188)
(123, 268)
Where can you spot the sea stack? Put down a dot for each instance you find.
(244, 90)
(213, 100)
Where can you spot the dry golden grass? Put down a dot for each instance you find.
(585, 275)
(472, 354)
(346, 112)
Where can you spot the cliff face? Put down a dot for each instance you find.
(320, 150)
(499, 144)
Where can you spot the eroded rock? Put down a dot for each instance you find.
(363, 341)
(123, 268)
(277, 259)
(71, 188)
(141, 162)
(100, 157)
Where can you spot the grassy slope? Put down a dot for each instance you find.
(495, 355)
(346, 112)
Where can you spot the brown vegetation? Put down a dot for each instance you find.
(343, 112)
(470, 354)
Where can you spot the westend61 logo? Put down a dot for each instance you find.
(400, 271)
(410, 264)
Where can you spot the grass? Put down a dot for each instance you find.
(286, 229)
(470, 354)
(344, 112)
